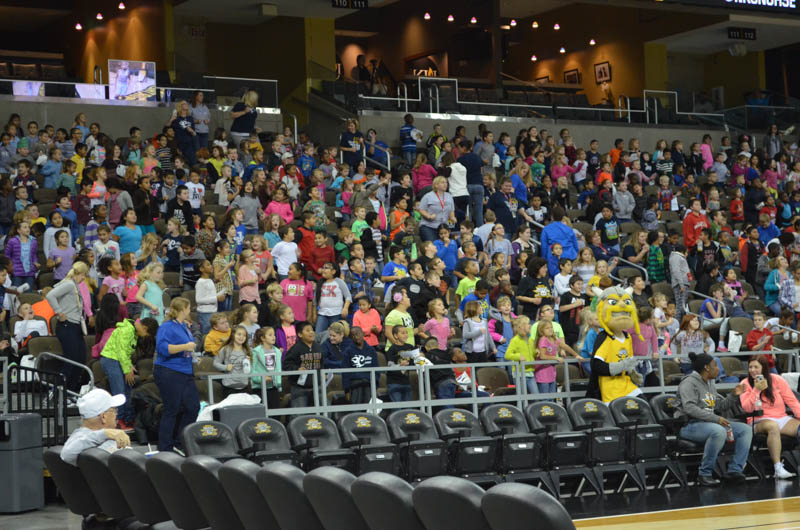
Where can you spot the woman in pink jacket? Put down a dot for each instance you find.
(707, 151)
(422, 174)
(772, 394)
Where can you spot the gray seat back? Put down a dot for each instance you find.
(71, 484)
(164, 470)
(443, 503)
(93, 463)
(238, 478)
(128, 468)
(282, 485)
(328, 490)
(385, 501)
(513, 506)
(201, 475)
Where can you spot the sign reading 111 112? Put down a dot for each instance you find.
(350, 4)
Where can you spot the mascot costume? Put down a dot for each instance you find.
(613, 364)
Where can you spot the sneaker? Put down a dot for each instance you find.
(781, 473)
(125, 426)
(722, 347)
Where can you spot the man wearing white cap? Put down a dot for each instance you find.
(98, 409)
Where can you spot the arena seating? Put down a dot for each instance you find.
(240, 494)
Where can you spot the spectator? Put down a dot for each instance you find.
(98, 410)
(244, 116)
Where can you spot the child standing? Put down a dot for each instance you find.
(477, 342)
(22, 250)
(267, 359)
(439, 325)
(115, 359)
(113, 283)
(247, 317)
(521, 349)
(680, 275)
(223, 277)
(286, 252)
(548, 348)
(62, 256)
(129, 275)
(206, 295)
(369, 320)
(150, 294)
(501, 326)
(358, 354)
(234, 358)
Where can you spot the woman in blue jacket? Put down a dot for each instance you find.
(174, 375)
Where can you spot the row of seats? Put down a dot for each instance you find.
(201, 492)
(545, 444)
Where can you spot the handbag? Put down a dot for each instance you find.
(734, 341)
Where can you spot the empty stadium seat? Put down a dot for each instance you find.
(201, 472)
(318, 438)
(385, 501)
(514, 506)
(423, 454)
(471, 451)
(164, 470)
(211, 438)
(93, 464)
(282, 486)
(368, 436)
(238, 478)
(328, 489)
(443, 503)
(519, 449)
(128, 469)
(71, 485)
(264, 440)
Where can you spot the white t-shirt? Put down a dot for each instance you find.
(196, 193)
(284, 254)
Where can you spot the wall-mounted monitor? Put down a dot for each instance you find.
(131, 80)
(27, 88)
(90, 91)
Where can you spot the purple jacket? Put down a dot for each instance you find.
(13, 252)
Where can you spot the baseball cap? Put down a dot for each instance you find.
(287, 155)
(97, 401)
(23, 142)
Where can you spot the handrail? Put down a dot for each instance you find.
(430, 97)
(82, 366)
(294, 130)
(6, 382)
(632, 264)
(623, 98)
(674, 93)
(706, 297)
(405, 92)
(387, 166)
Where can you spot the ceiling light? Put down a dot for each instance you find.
(592, 42)
(99, 16)
(535, 25)
(534, 58)
(473, 20)
(121, 6)
(78, 26)
(505, 26)
(450, 18)
(513, 23)
(427, 16)
(556, 26)
(562, 50)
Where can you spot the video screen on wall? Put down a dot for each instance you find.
(90, 91)
(27, 88)
(131, 80)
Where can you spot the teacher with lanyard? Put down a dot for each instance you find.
(174, 374)
(436, 208)
(67, 304)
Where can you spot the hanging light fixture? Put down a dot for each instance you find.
(513, 23)
(534, 58)
(121, 6)
(473, 20)
(592, 42)
(535, 25)
(99, 16)
(427, 16)
(450, 18)
(556, 26)
(78, 26)
(562, 50)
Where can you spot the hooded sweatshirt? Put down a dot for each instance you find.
(700, 400)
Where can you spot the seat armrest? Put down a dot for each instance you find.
(627, 424)
(451, 435)
(495, 433)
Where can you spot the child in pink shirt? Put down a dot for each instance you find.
(439, 325)
(369, 320)
(548, 347)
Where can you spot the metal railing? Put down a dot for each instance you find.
(294, 129)
(4, 363)
(40, 392)
(48, 355)
(674, 93)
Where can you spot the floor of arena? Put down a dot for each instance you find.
(765, 505)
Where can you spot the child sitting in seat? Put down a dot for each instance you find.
(219, 334)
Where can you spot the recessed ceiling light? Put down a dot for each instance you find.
(505, 26)
(78, 26)
(562, 50)
(592, 42)
(535, 25)
(427, 16)
(473, 20)
(450, 18)
(534, 58)
(99, 16)
(121, 6)
(556, 26)
(513, 23)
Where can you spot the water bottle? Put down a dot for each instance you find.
(246, 366)
(729, 433)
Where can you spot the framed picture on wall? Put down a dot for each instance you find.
(572, 77)
(544, 79)
(602, 73)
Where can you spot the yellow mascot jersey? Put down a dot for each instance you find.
(612, 351)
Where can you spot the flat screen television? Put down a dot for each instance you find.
(27, 88)
(131, 80)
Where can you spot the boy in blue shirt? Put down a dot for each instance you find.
(480, 295)
(408, 144)
(306, 161)
(394, 270)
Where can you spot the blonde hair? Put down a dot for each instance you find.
(519, 324)
(181, 229)
(147, 274)
(238, 315)
(250, 98)
(78, 267)
(150, 244)
(598, 263)
(340, 328)
(438, 180)
(656, 297)
(585, 317)
(503, 300)
(472, 309)
(177, 306)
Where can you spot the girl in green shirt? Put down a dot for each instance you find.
(521, 348)
(266, 359)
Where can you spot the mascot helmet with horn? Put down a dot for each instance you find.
(617, 312)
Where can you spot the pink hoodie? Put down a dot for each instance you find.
(284, 209)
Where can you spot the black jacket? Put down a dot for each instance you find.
(309, 357)
(182, 211)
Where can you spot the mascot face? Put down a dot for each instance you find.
(617, 311)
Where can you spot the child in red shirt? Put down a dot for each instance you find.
(760, 338)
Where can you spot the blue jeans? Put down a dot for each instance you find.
(476, 203)
(446, 391)
(181, 405)
(226, 304)
(399, 392)
(775, 308)
(200, 141)
(546, 388)
(117, 385)
(426, 233)
(16, 281)
(714, 436)
(410, 157)
(204, 320)
(324, 322)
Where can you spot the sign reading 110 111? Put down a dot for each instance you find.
(350, 4)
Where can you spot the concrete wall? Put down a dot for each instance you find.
(115, 119)
(388, 124)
